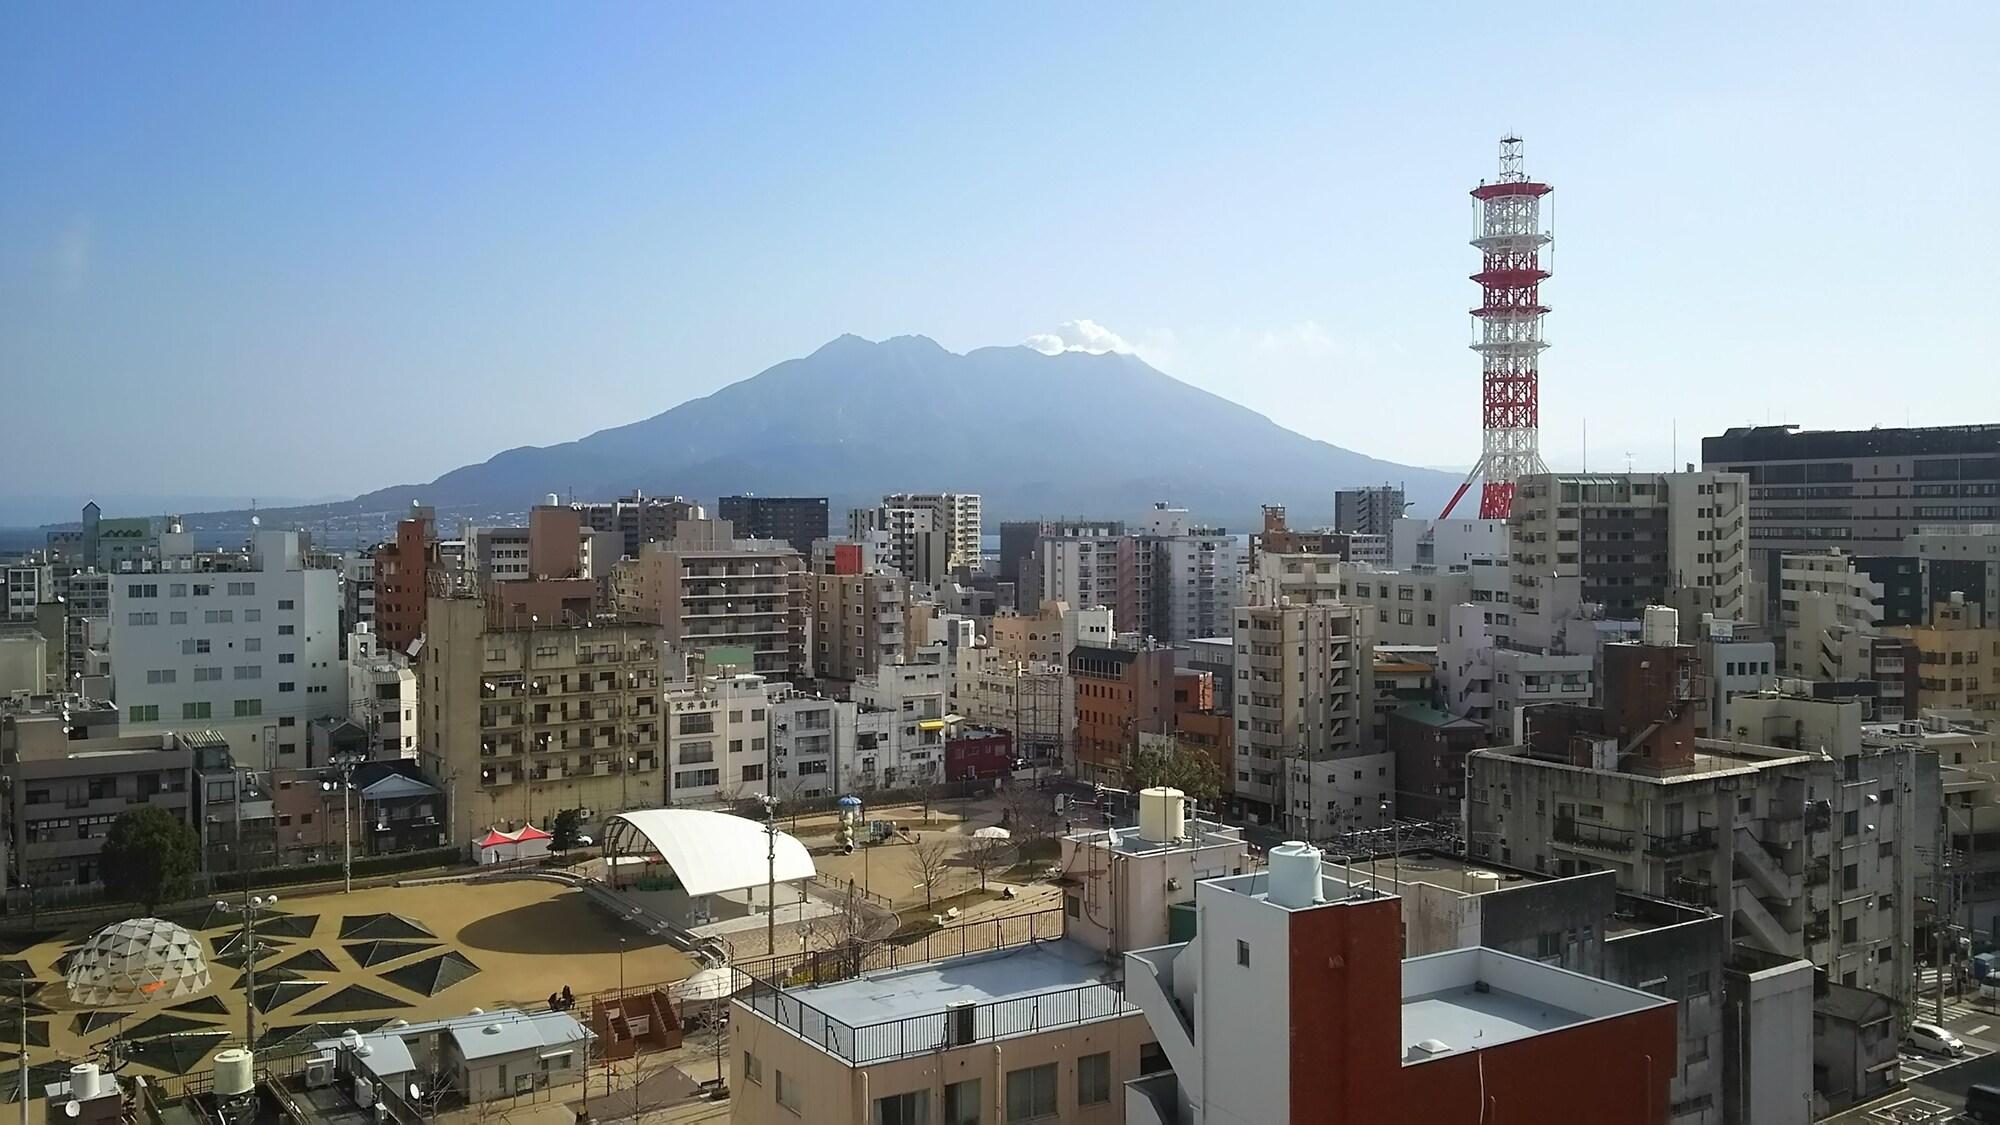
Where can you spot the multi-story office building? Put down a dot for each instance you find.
(1171, 580)
(1048, 633)
(1957, 657)
(857, 622)
(1299, 709)
(1635, 539)
(797, 520)
(241, 642)
(1829, 614)
(1121, 692)
(1958, 557)
(1407, 606)
(382, 696)
(62, 798)
(711, 590)
(103, 544)
(1370, 510)
(637, 519)
(1864, 491)
(1293, 1003)
(524, 719)
(25, 586)
(1019, 537)
(718, 739)
(814, 740)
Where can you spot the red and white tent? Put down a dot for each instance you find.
(526, 842)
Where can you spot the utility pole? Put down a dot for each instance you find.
(770, 874)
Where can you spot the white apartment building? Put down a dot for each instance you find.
(1633, 540)
(242, 642)
(915, 698)
(1408, 605)
(955, 515)
(1346, 793)
(1080, 571)
(382, 695)
(1197, 575)
(1298, 694)
(811, 736)
(26, 586)
(718, 739)
(1422, 542)
(1821, 596)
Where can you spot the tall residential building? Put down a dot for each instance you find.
(357, 591)
(1408, 605)
(1634, 539)
(242, 642)
(1018, 539)
(1292, 1004)
(382, 696)
(798, 520)
(857, 622)
(1829, 614)
(718, 739)
(637, 519)
(1171, 580)
(1862, 490)
(1301, 722)
(713, 591)
(1370, 510)
(525, 719)
(956, 517)
(402, 579)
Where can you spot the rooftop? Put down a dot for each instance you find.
(902, 1012)
(1712, 758)
(1128, 841)
(1471, 999)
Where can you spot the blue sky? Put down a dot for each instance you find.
(298, 250)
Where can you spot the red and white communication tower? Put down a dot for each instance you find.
(1510, 333)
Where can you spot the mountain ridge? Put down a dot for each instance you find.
(1080, 433)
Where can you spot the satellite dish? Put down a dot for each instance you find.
(71, 1109)
(256, 521)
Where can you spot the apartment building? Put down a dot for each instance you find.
(1408, 605)
(1121, 692)
(1170, 580)
(382, 696)
(1957, 658)
(710, 590)
(402, 579)
(637, 519)
(1279, 538)
(1736, 662)
(1961, 557)
(109, 545)
(1806, 852)
(857, 622)
(525, 719)
(1634, 539)
(718, 739)
(1425, 542)
(1293, 1003)
(814, 740)
(241, 642)
(1301, 715)
(1370, 510)
(1034, 702)
(357, 591)
(1019, 537)
(797, 520)
(1047, 635)
(1862, 490)
(915, 696)
(954, 515)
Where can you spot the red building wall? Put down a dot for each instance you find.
(402, 584)
(983, 755)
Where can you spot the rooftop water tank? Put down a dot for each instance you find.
(233, 1073)
(1479, 882)
(1162, 814)
(1294, 874)
(83, 1078)
(1660, 627)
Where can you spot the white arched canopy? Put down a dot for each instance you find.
(709, 852)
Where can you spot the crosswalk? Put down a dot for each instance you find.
(1915, 1065)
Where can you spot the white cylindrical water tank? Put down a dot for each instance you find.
(1162, 814)
(1479, 882)
(83, 1082)
(554, 500)
(1294, 874)
(233, 1072)
(1660, 627)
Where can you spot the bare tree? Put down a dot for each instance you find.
(987, 856)
(930, 863)
(714, 1024)
(1030, 814)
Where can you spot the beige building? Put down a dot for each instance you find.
(1956, 656)
(525, 720)
(1046, 635)
(1298, 693)
(1035, 701)
(1035, 1032)
(1124, 887)
(857, 622)
(708, 590)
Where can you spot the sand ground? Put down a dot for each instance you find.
(527, 937)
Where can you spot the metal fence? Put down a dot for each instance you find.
(793, 970)
(939, 1030)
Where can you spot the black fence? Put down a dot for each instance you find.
(825, 966)
(936, 1031)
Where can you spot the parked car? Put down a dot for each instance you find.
(1982, 1103)
(1933, 1040)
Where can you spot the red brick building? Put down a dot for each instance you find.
(1120, 694)
(402, 580)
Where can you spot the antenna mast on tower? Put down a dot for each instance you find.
(1510, 333)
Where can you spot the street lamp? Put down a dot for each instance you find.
(344, 763)
(250, 908)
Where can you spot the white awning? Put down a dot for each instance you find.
(712, 852)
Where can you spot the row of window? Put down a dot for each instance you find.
(1030, 1094)
(197, 589)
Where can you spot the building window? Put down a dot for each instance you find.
(1031, 1093)
(961, 1102)
(249, 708)
(147, 714)
(789, 1095)
(753, 1069)
(194, 711)
(913, 1108)
(284, 603)
(253, 615)
(699, 723)
(753, 773)
(1243, 953)
(1093, 1079)
(286, 631)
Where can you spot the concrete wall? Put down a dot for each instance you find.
(1767, 1038)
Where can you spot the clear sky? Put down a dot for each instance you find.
(301, 250)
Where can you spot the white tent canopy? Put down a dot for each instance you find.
(710, 852)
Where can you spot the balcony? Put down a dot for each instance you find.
(1681, 843)
(1593, 836)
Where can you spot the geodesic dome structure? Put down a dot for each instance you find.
(136, 961)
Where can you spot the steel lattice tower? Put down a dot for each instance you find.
(1510, 333)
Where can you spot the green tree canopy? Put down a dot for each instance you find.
(1164, 761)
(150, 857)
(567, 827)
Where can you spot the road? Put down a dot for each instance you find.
(1935, 1087)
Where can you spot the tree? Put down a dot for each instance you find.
(987, 856)
(1165, 762)
(567, 827)
(149, 857)
(930, 863)
(1028, 813)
